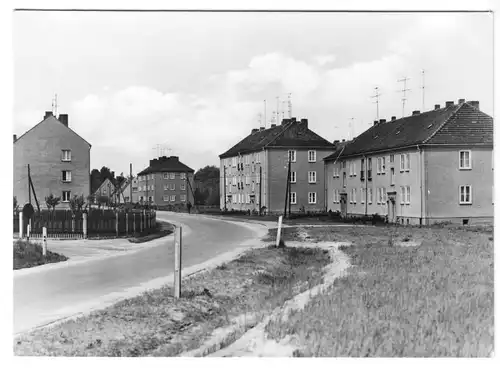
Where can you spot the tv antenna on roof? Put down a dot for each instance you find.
(54, 105)
(376, 96)
(289, 105)
(404, 90)
(351, 120)
(423, 90)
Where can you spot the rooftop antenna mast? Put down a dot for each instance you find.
(265, 113)
(283, 109)
(351, 121)
(289, 105)
(376, 96)
(423, 90)
(54, 105)
(404, 90)
(277, 110)
(260, 119)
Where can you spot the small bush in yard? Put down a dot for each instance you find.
(29, 254)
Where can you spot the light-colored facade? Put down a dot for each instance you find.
(420, 184)
(59, 162)
(258, 178)
(106, 189)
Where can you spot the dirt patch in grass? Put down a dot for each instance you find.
(29, 254)
(155, 324)
(431, 300)
(162, 229)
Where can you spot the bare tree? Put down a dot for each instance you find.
(51, 201)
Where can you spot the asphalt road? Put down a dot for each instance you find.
(45, 296)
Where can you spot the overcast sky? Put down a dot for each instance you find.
(195, 82)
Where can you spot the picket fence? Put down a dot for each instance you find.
(64, 224)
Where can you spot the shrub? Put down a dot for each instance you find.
(28, 254)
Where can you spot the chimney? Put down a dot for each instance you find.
(164, 158)
(273, 125)
(343, 140)
(415, 112)
(437, 106)
(174, 157)
(382, 121)
(254, 130)
(304, 122)
(63, 118)
(474, 103)
(294, 119)
(15, 137)
(262, 128)
(449, 103)
(375, 123)
(336, 141)
(47, 114)
(153, 161)
(393, 118)
(461, 101)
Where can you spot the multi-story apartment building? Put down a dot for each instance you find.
(429, 167)
(166, 181)
(59, 161)
(254, 171)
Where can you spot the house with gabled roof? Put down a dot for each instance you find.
(430, 167)
(254, 171)
(58, 158)
(166, 182)
(107, 189)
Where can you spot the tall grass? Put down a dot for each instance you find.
(29, 254)
(435, 300)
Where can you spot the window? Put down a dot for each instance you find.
(257, 180)
(344, 180)
(248, 180)
(392, 175)
(292, 155)
(343, 164)
(234, 161)
(312, 177)
(405, 162)
(293, 198)
(165, 187)
(335, 195)
(234, 181)
(183, 176)
(335, 172)
(382, 169)
(407, 200)
(183, 197)
(354, 195)
(257, 158)
(293, 177)
(465, 162)
(391, 158)
(150, 199)
(311, 156)
(402, 165)
(403, 194)
(139, 188)
(172, 198)
(172, 186)
(66, 155)
(369, 174)
(362, 169)
(165, 198)
(66, 176)
(352, 168)
(370, 195)
(363, 195)
(253, 186)
(152, 187)
(183, 186)
(312, 198)
(465, 194)
(152, 176)
(165, 175)
(66, 195)
(172, 175)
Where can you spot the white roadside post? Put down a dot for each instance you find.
(178, 259)
(278, 236)
(28, 232)
(21, 225)
(85, 226)
(44, 233)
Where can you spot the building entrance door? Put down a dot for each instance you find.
(343, 205)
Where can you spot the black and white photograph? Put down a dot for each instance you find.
(252, 182)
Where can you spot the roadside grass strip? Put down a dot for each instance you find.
(30, 254)
(155, 324)
(409, 292)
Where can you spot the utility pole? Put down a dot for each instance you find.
(260, 190)
(131, 181)
(287, 191)
(423, 90)
(225, 207)
(404, 90)
(29, 184)
(376, 101)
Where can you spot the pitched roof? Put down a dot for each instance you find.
(106, 182)
(165, 164)
(51, 118)
(456, 124)
(290, 133)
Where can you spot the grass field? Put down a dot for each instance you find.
(155, 324)
(30, 254)
(411, 293)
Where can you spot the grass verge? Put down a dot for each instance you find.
(29, 254)
(155, 324)
(410, 293)
(162, 229)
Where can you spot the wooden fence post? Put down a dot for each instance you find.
(85, 226)
(72, 223)
(126, 223)
(21, 225)
(116, 223)
(178, 260)
(133, 222)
